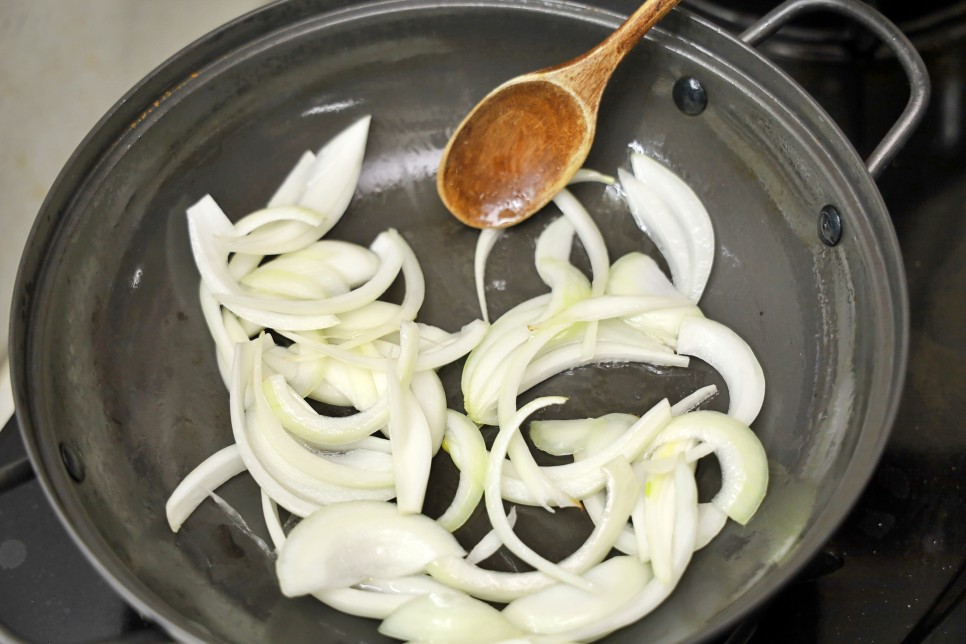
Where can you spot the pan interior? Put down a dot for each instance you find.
(120, 370)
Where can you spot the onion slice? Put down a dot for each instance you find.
(343, 544)
(656, 221)
(731, 356)
(213, 472)
(465, 445)
(687, 208)
(744, 465)
(622, 488)
(484, 245)
(448, 617)
(561, 607)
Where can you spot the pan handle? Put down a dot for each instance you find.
(879, 25)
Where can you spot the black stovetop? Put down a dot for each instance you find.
(896, 569)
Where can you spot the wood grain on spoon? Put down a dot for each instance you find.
(523, 142)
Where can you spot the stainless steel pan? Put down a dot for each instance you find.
(116, 386)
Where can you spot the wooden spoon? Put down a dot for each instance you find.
(523, 142)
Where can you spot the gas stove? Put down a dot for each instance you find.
(896, 569)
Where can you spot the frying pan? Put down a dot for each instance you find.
(116, 385)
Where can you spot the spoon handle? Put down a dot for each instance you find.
(587, 75)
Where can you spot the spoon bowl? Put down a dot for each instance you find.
(527, 138)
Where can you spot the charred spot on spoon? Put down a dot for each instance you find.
(830, 225)
(690, 96)
(72, 462)
(505, 161)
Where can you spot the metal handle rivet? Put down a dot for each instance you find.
(689, 95)
(72, 462)
(830, 226)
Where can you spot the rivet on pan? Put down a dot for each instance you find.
(689, 95)
(830, 225)
(72, 462)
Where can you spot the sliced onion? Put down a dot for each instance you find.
(570, 356)
(242, 370)
(586, 175)
(363, 603)
(223, 338)
(360, 554)
(744, 466)
(389, 251)
(552, 259)
(622, 488)
(409, 433)
(379, 598)
(582, 478)
(322, 270)
(427, 390)
(455, 347)
(687, 208)
(694, 400)
(326, 432)
(490, 543)
(484, 245)
(289, 470)
(343, 544)
(284, 452)
(293, 185)
(731, 356)
(561, 607)
(448, 617)
(607, 307)
(637, 274)
(593, 242)
(273, 237)
(483, 372)
(465, 445)
(272, 522)
(711, 520)
(565, 437)
(333, 177)
(305, 373)
(590, 236)
(494, 500)
(656, 591)
(546, 493)
(656, 221)
(659, 508)
(272, 226)
(213, 472)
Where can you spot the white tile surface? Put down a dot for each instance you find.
(63, 63)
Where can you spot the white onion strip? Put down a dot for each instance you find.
(561, 608)
(731, 356)
(242, 369)
(465, 445)
(272, 521)
(494, 500)
(622, 488)
(490, 543)
(582, 478)
(213, 472)
(656, 221)
(484, 245)
(656, 591)
(292, 186)
(387, 248)
(744, 465)
(298, 417)
(687, 208)
(409, 433)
